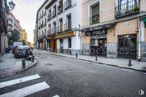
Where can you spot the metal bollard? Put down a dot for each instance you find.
(130, 63)
(96, 57)
(23, 63)
(32, 59)
(76, 55)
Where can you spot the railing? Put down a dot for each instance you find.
(127, 9)
(94, 19)
(67, 4)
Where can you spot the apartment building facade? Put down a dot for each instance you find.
(3, 26)
(23, 35)
(62, 23)
(13, 23)
(114, 28)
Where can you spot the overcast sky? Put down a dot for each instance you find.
(25, 12)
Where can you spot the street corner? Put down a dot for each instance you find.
(19, 65)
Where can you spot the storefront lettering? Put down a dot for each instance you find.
(96, 33)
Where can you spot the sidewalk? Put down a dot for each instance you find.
(10, 65)
(116, 62)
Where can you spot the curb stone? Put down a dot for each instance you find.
(19, 71)
(103, 63)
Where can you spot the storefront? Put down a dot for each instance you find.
(64, 42)
(98, 42)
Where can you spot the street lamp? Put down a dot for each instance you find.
(11, 5)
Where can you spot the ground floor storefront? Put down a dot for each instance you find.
(64, 42)
(125, 39)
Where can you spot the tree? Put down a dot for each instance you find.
(15, 37)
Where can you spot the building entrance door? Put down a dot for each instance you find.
(61, 45)
(127, 46)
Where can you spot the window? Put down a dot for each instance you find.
(68, 4)
(69, 43)
(54, 11)
(49, 15)
(127, 7)
(54, 28)
(60, 6)
(68, 24)
(49, 30)
(60, 25)
(95, 14)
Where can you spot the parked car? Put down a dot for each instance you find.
(20, 51)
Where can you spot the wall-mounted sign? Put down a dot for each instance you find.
(99, 33)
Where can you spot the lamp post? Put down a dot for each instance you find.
(11, 5)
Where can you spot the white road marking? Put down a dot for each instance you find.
(56, 96)
(27, 90)
(17, 81)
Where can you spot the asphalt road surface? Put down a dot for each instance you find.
(56, 76)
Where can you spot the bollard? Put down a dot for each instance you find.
(130, 63)
(32, 58)
(76, 55)
(23, 63)
(96, 57)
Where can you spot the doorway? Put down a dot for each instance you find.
(127, 46)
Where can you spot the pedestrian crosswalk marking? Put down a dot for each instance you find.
(19, 80)
(27, 90)
(56, 96)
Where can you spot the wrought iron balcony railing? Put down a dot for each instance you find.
(94, 19)
(126, 9)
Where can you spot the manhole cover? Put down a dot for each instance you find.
(48, 64)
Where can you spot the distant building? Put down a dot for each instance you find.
(23, 36)
(35, 38)
(13, 23)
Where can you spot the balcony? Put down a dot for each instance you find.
(67, 27)
(67, 4)
(94, 19)
(127, 9)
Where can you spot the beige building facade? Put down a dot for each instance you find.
(23, 35)
(114, 28)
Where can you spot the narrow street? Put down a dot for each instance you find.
(56, 76)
